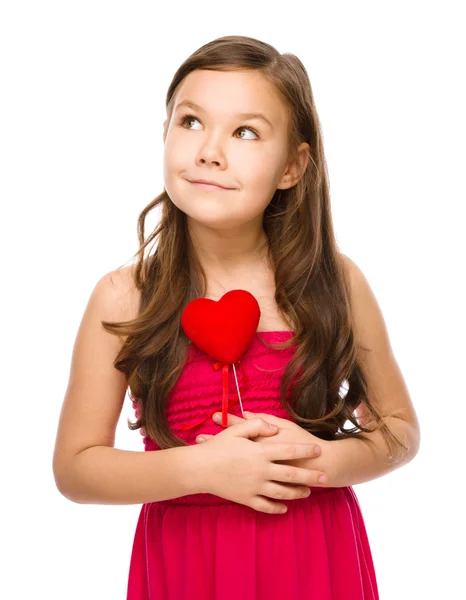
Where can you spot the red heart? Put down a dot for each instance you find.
(222, 329)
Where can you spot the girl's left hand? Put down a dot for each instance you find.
(288, 431)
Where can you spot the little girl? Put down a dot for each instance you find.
(253, 512)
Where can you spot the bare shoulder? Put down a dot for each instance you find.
(362, 295)
(351, 268)
(368, 321)
(121, 289)
(96, 389)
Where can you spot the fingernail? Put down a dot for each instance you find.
(216, 418)
(322, 479)
(317, 450)
(200, 440)
(272, 426)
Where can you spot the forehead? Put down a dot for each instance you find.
(223, 93)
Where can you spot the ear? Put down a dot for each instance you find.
(295, 169)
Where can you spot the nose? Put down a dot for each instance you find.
(203, 161)
(212, 152)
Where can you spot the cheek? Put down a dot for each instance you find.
(260, 178)
(173, 180)
(171, 162)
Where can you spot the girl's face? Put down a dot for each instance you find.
(213, 142)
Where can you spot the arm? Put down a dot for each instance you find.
(107, 475)
(352, 461)
(86, 466)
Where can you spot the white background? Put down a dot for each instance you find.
(83, 86)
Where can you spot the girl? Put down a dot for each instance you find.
(253, 512)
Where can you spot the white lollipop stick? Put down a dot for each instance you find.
(237, 387)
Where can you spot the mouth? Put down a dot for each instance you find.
(209, 186)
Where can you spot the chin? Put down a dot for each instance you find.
(214, 221)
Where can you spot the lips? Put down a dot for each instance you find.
(207, 185)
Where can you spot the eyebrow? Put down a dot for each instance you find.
(244, 116)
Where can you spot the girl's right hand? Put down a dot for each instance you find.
(239, 469)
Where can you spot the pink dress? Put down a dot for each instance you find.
(204, 547)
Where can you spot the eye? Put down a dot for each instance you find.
(192, 118)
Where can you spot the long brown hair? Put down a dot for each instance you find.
(312, 287)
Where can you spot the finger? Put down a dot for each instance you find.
(269, 418)
(203, 437)
(252, 428)
(297, 475)
(231, 419)
(289, 451)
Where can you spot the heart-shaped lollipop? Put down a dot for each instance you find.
(223, 329)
